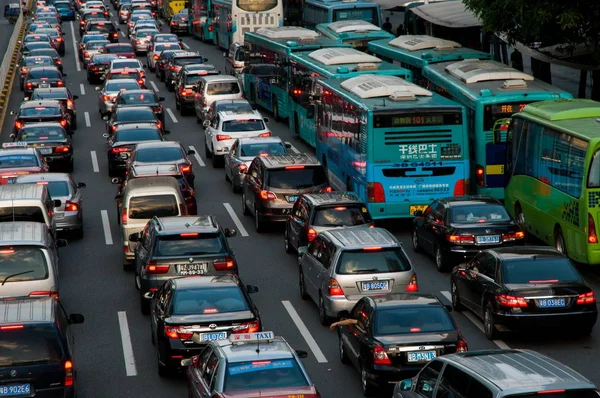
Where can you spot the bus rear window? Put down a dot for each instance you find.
(364, 14)
(341, 216)
(146, 207)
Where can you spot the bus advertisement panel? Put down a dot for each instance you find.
(324, 11)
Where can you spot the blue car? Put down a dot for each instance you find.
(65, 9)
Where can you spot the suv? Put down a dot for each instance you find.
(496, 374)
(106, 28)
(37, 348)
(342, 265)
(61, 94)
(169, 247)
(175, 64)
(317, 212)
(273, 184)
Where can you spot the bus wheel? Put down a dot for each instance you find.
(559, 241)
(276, 110)
(349, 186)
(519, 217)
(296, 125)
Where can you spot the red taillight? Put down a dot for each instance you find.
(44, 293)
(461, 239)
(185, 168)
(106, 97)
(175, 332)
(248, 327)
(334, 288)
(155, 56)
(461, 187)
(70, 206)
(187, 92)
(267, 134)
(59, 39)
(119, 150)
(479, 176)
(586, 298)
(86, 54)
(210, 28)
(141, 82)
(461, 345)
(592, 237)
(242, 168)
(124, 216)
(18, 124)
(551, 392)
(173, 67)
(69, 373)
(69, 103)
(326, 190)
(375, 192)
(311, 234)
(60, 83)
(137, 42)
(153, 268)
(511, 301)
(223, 137)
(28, 85)
(224, 265)
(412, 286)
(380, 356)
(12, 327)
(514, 236)
(267, 195)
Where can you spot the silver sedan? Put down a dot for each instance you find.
(69, 216)
(92, 48)
(140, 39)
(108, 92)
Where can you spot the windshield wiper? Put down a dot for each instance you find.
(194, 253)
(365, 271)
(13, 275)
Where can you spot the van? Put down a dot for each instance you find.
(144, 198)
(234, 60)
(212, 88)
(28, 202)
(28, 259)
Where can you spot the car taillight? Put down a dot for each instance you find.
(28, 85)
(153, 268)
(514, 236)
(223, 137)
(24, 70)
(380, 356)
(60, 83)
(210, 28)
(69, 377)
(18, 124)
(86, 54)
(58, 62)
(592, 237)
(185, 168)
(267, 134)
(479, 176)
(375, 192)
(59, 39)
(242, 168)
(311, 234)
(44, 293)
(461, 344)
(63, 123)
(176, 332)
(267, 195)
(173, 67)
(334, 288)
(141, 82)
(187, 92)
(62, 149)
(461, 187)
(69, 104)
(586, 298)
(137, 42)
(119, 150)
(70, 206)
(124, 216)
(92, 67)
(248, 327)
(412, 286)
(106, 97)
(326, 190)
(461, 239)
(224, 265)
(155, 56)
(511, 301)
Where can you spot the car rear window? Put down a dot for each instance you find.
(58, 188)
(146, 207)
(296, 178)
(30, 344)
(243, 125)
(258, 375)
(488, 213)
(142, 134)
(126, 64)
(137, 99)
(339, 216)
(209, 301)
(94, 45)
(30, 61)
(50, 73)
(102, 58)
(14, 161)
(412, 320)
(234, 106)
(130, 115)
(117, 86)
(22, 213)
(372, 262)
(57, 95)
(46, 133)
(123, 48)
(188, 60)
(40, 111)
(189, 245)
(221, 88)
(256, 149)
(572, 393)
(102, 28)
(541, 269)
(121, 76)
(152, 155)
(22, 263)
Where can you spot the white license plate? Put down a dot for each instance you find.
(552, 303)
(44, 85)
(193, 269)
(420, 356)
(45, 151)
(182, 24)
(206, 337)
(378, 285)
(488, 239)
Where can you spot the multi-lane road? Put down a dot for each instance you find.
(114, 354)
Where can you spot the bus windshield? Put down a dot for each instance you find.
(256, 5)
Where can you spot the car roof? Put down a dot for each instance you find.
(162, 144)
(180, 224)
(27, 310)
(280, 161)
(151, 184)
(44, 68)
(469, 200)
(43, 102)
(116, 81)
(254, 140)
(135, 108)
(278, 348)
(404, 300)
(330, 198)
(43, 177)
(231, 101)
(194, 282)
(62, 90)
(523, 252)
(224, 78)
(358, 238)
(236, 115)
(135, 126)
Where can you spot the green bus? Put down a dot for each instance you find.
(354, 32)
(306, 67)
(552, 174)
(267, 54)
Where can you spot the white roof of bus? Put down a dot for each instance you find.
(352, 26)
(337, 56)
(286, 32)
(422, 42)
(373, 86)
(475, 70)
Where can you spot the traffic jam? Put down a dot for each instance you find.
(202, 246)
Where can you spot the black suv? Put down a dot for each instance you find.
(274, 183)
(36, 354)
(175, 64)
(169, 247)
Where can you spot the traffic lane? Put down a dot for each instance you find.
(6, 28)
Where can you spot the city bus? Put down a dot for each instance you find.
(324, 11)
(233, 18)
(272, 48)
(490, 91)
(414, 52)
(306, 68)
(356, 33)
(395, 144)
(200, 24)
(553, 174)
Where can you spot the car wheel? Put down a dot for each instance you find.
(234, 187)
(217, 161)
(227, 179)
(323, 317)
(456, 304)
(152, 338)
(198, 120)
(276, 110)
(258, 225)
(440, 261)
(367, 389)
(74, 123)
(207, 151)
(69, 168)
(77, 233)
(585, 331)
(489, 326)
(286, 242)
(415, 241)
(245, 210)
(144, 305)
(342, 350)
(163, 371)
(177, 106)
(302, 285)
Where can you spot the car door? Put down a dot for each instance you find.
(347, 334)
(228, 159)
(297, 222)
(486, 282)
(159, 309)
(250, 184)
(455, 383)
(197, 370)
(209, 375)
(438, 226)
(323, 266)
(427, 379)
(142, 250)
(359, 335)
(469, 281)
(308, 264)
(427, 229)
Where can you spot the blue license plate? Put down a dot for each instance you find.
(552, 303)
(488, 239)
(206, 337)
(15, 389)
(369, 286)
(292, 198)
(421, 356)
(45, 151)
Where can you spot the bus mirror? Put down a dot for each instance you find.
(500, 127)
(310, 111)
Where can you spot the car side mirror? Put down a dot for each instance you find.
(115, 180)
(26, 99)
(310, 112)
(81, 185)
(13, 113)
(161, 99)
(57, 203)
(266, 119)
(61, 242)
(186, 362)
(104, 117)
(230, 232)
(302, 250)
(149, 295)
(167, 132)
(105, 135)
(302, 354)
(70, 132)
(288, 145)
(135, 237)
(406, 385)
(343, 314)
(225, 54)
(76, 319)
(251, 289)
(191, 152)
(205, 59)
(97, 88)
(64, 74)
(206, 123)
(75, 97)
(12, 135)
(418, 213)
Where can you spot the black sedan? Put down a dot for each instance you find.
(43, 77)
(179, 24)
(27, 48)
(129, 98)
(50, 52)
(53, 142)
(457, 228)
(529, 288)
(31, 62)
(39, 112)
(61, 94)
(97, 67)
(167, 152)
(124, 139)
(391, 337)
(132, 114)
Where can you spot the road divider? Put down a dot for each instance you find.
(130, 368)
(106, 225)
(236, 220)
(312, 343)
(94, 162)
(197, 157)
(87, 119)
(172, 116)
(75, 52)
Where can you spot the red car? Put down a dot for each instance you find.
(17, 160)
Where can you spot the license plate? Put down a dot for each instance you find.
(206, 337)
(193, 269)
(44, 85)
(124, 155)
(45, 151)
(292, 199)
(182, 24)
(15, 389)
(552, 303)
(415, 208)
(421, 356)
(488, 239)
(379, 285)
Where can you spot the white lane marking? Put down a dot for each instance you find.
(172, 115)
(82, 89)
(185, 45)
(293, 148)
(130, 368)
(161, 22)
(501, 344)
(154, 86)
(95, 162)
(75, 48)
(106, 226)
(235, 219)
(122, 33)
(314, 347)
(87, 119)
(111, 14)
(197, 157)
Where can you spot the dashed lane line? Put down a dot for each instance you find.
(106, 226)
(236, 219)
(75, 52)
(185, 45)
(172, 116)
(94, 162)
(293, 148)
(197, 156)
(130, 368)
(154, 86)
(87, 119)
(123, 34)
(82, 88)
(314, 347)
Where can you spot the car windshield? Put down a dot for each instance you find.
(146, 33)
(412, 320)
(477, 213)
(222, 88)
(50, 73)
(18, 161)
(142, 134)
(102, 28)
(172, 39)
(340, 216)
(242, 125)
(152, 155)
(37, 38)
(259, 375)
(50, 32)
(180, 61)
(296, 177)
(126, 64)
(372, 261)
(539, 270)
(50, 52)
(130, 115)
(57, 189)
(121, 48)
(33, 344)
(256, 149)
(46, 133)
(28, 260)
(213, 300)
(163, 46)
(121, 85)
(40, 111)
(189, 244)
(146, 207)
(138, 98)
(102, 59)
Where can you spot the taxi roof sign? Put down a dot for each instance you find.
(251, 337)
(19, 144)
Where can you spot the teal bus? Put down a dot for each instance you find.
(553, 174)
(323, 11)
(200, 23)
(271, 48)
(414, 52)
(354, 32)
(306, 68)
(395, 144)
(490, 91)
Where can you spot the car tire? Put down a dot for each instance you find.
(207, 151)
(77, 233)
(585, 331)
(276, 110)
(183, 110)
(227, 179)
(234, 188)
(286, 242)
(342, 350)
(163, 371)
(217, 161)
(74, 123)
(368, 389)
(70, 167)
(323, 317)
(198, 120)
(302, 285)
(152, 338)
(415, 241)
(489, 326)
(258, 225)
(177, 106)
(456, 304)
(144, 305)
(245, 210)
(440, 261)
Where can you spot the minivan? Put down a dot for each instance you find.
(212, 88)
(28, 202)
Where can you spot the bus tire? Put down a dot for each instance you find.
(519, 216)
(324, 163)
(559, 240)
(296, 125)
(276, 110)
(349, 185)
